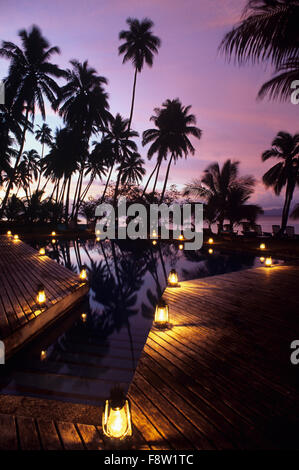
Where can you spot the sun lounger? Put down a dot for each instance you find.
(290, 231)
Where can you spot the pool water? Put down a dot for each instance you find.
(83, 357)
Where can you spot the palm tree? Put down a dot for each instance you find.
(133, 170)
(120, 140)
(174, 125)
(268, 32)
(43, 135)
(102, 157)
(30, 78)
(218, 186)
(237, 208)
(31, 160)
(285, 147)
(83, 104)
(139, 46)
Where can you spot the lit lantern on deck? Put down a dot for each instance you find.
(53, 241)
(154, 234)
(161, 314)
(262, 246)
(211, 251)
(210, 241)
(43, 355)
(98, 232)
(84, 317)
(173, 279)
(116, 421)
(262, 259)
(154, 242)
(41, 295)
(268, 262)
(42, 251)
(181, 247)
(16, 238)
(53, 234)
(83, 274)
(8, 233)
(181, 237)
(98, 239)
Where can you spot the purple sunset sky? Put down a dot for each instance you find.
(222, 95)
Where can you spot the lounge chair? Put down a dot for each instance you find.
(275, 229)
(258, 230)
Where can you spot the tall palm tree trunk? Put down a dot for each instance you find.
(150, 177)
(133, 100)
(286, 208)
(12, 177)
(107, 182)
(156, 179)
(66, 213)
(40, 173)
(166, 178)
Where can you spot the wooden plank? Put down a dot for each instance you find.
(29, 439)
(91, 437)
(49, 436)
(8, 433)
(69, 435)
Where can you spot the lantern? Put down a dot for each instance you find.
(41, 295)
(9, 233)
(262, 246)
(43, 355)
(16, 238)
(98, 232)
(181, 237)
(84, 317)
(210, 241)
(53, 241)
(173, 279)
(181, 247)
(154, 242)
(211, 251)
(98, 239)
(53, 234)
(42, 251)
(268, 262)
(83, 274)
(161, 314)
(116, 421)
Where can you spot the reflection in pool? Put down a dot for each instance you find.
(98, 344)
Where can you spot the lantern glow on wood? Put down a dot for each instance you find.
(42, 251)
(53, 234)
(211, 251)
(53, 241)
(210, 241)
(83, 274)
(116, 421)
(161, 314)
(154, 242)
(9, 233)
(262, 246)
(181, 247)
(173, 279)
(16, 238)
(268, 262)
(41, 295)
(262, 259)
(84, 317)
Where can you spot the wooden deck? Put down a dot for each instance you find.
(220, 378)
(22, 270)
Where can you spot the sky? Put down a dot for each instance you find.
(189, 67)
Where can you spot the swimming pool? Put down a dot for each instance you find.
(82, 356)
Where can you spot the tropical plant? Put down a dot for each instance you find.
(139, 47)
(174, 125)
(268, 32)
(31, 77)
(133, 169)
(225, 192)
(285, 147)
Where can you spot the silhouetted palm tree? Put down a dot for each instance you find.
(43, 135)
(133, 170)
(83, 104)
(217, 185)
(237, 209)
(174, 125)
(268, 32)
(120, 140)
(285, 147)
(30, 78)
(139, 46)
